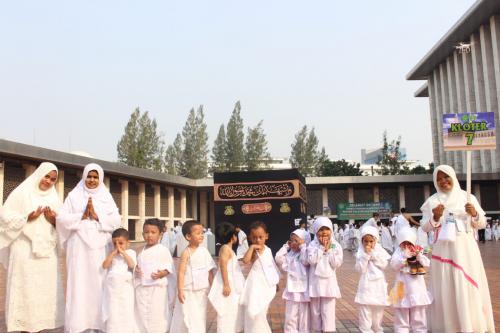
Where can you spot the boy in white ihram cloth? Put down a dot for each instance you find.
(118, 297)
(324, 255)
(386, 238)
(371, 260)
(228, 283)
(292, 259)
(84, 224)
(196, 272)
(154, 278)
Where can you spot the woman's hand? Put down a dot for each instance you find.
(50, 215)
(437, 212)
(35, 214)
(470, 209)
(92, 213)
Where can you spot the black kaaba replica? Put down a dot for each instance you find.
(275, 197)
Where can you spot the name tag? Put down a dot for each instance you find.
(296, 284)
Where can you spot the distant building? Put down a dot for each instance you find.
(372, 156)
(462, 75)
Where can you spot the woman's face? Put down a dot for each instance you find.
(445, 182)
(48, 181)
(92, 180)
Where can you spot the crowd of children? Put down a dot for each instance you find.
(143, 293)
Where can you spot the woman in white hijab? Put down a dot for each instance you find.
(85, 223)
(458, 280)
(28, 246)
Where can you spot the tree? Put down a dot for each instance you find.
(322, 159)
(141, 145)
(235, 158)
(219, 152)
(392, 161)
(256, 153)
(340, 168)
(173, 157)
(305, 155)
(194, 155)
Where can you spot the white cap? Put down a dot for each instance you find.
(369, 230)
(322, 221)
(407, 234)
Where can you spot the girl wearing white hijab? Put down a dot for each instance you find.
(292, 259)
(28, 246)
(458, 280)
(85, 223)
(371, 260)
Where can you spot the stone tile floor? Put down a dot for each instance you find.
(346, 311)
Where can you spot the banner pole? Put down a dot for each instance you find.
(469, 173)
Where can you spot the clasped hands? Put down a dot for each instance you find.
(89, 213)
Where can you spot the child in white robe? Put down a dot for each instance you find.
(196, 272)
(292, 258)
(228, 283)
(386, 238)
(260, 286)
(154, 266)
(496, 231)
(487, 234)
(409, 295)
(118, 295)
(371, 260)
(324, 255)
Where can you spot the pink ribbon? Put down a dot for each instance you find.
(455, 265)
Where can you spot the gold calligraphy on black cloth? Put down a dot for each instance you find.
(257, 191)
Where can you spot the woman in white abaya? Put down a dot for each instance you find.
(28, 246)
(458, 280)
(85, 223)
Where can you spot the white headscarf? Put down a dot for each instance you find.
(104, 206)
(454, 201)
(407, 234)
(26, 198)
(302, 234)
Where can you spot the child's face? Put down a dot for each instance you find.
(151, 234)
(324, 233)
(195, 237)
(258, 236)
(406, 245)
(295, 242)
(120, 242)
(368, 241)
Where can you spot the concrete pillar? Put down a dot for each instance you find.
(203, 208)
(480, 159)
(60, 184)
(194, 204)
(445, 102)
(171, 206)
(495, 47)
(470, 101)
(2, 176)
(350, 194)
(157, 200)
(427, 191)
(439, 114)
(402, 201)
(142, 211)
(490, 87)
(124, 203)
(434, 122)
(476, 190)
(376, 194)
(452, 103)
(212, 211)
(28, 169)
(183, 205)
(107, 182)
(461, 104)
(324, 197)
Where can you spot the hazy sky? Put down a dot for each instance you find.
(72, 72)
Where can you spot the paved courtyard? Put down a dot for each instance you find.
(346, 308)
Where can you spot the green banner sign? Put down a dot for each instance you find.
(362, 211)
